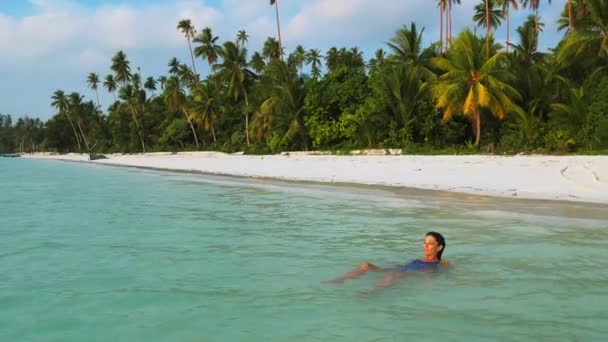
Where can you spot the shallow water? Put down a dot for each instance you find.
(98, 253)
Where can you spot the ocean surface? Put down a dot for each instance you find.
(98, 253)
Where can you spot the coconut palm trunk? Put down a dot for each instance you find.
(141, 136)
(488, 26)
(191, 127)
(84, 137)
(570, 15)
(477, 127)
(74, 130)
(276, 6)
(508, 25)
(441, 27)
(246, 118)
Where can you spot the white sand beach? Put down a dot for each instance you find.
(569, 178)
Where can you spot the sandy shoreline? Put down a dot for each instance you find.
(569, 178)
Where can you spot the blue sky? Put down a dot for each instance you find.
(54, 44)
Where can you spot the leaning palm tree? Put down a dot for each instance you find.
(60, 102)
(110, 84)
(134, 101)
(93, 82)
(276, 6)
(472, 81)
(75, 107)
(204, 108)
(208, 48)
(121, 68)
(175, 100)
(506, 6)
(233, 70)
(185, 26)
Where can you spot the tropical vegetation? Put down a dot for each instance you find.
(464, 93)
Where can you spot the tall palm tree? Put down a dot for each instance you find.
(233, 70)
(488, 15)
(93, 82)
(472, 80)
(242, 38)
(60, 102)
(110, 84)
(506, 6)
(121, 68)
(313, 57)
(175, 99)
(534, 5)
(449, 31)
(332, 59)
(185, 26)
(276, 6)
(441, 4)
(208, 48)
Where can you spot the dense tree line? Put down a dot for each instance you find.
(463, 93)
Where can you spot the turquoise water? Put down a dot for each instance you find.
(94, 253)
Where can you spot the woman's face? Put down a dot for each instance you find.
(431, 248)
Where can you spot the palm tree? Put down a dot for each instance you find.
(473, 80)
(185, 26)
(403, 89)
(93, 81)
(276, 6)
(406, 46)
(299, 58)
(162, 80)
(257, 62)
(205, 108)
(590, 36)
(442, 7)
(60, 101)
(74, 102)
(175, 99)
(272, 50)
(150, 84)
(208, 48)
(121, 68)
(110, 84)
(131, 97)
(282, 113)
(173, 66)
(488, 15)
(332, 59)
(233, 70)
(313, 57)
(242, 38)
(534, 5)
(506, 6)
(449, 31)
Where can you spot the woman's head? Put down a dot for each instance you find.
(434, 245)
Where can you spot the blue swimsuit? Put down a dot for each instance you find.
(419, 265)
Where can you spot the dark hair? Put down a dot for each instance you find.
(440, 241)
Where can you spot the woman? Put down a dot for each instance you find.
(434, 245)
